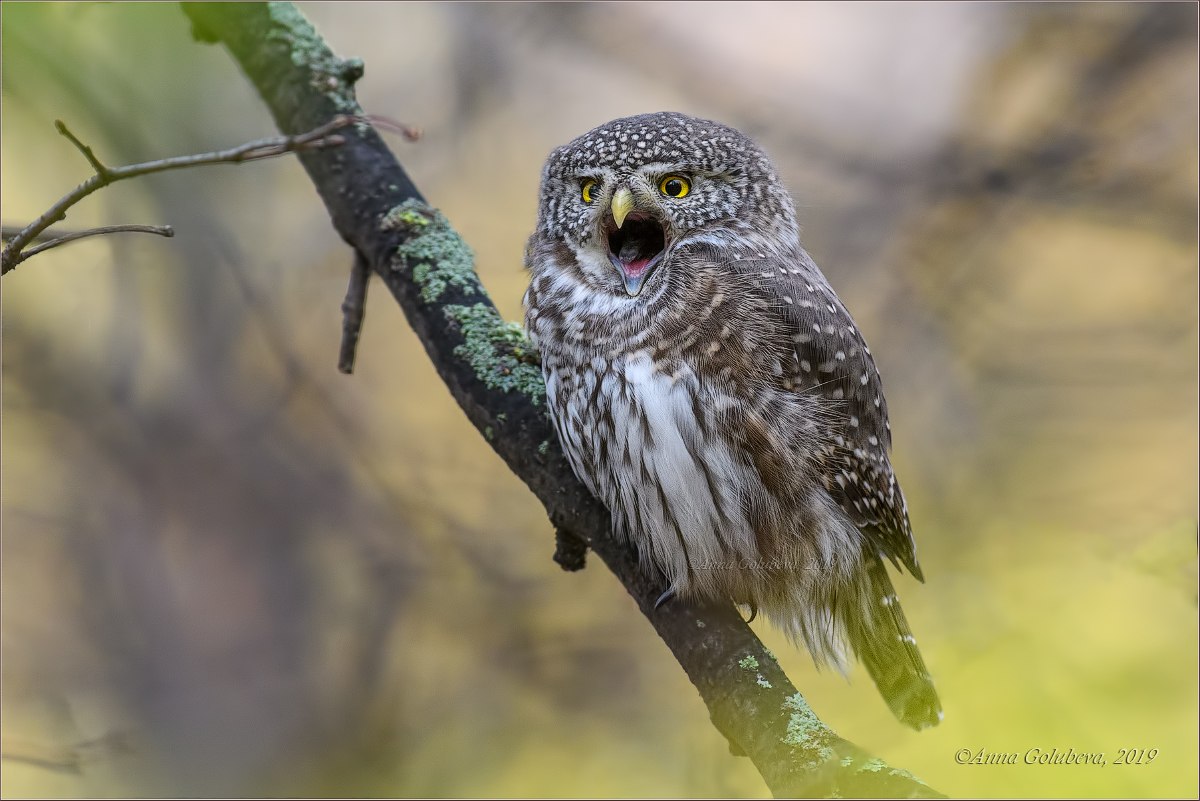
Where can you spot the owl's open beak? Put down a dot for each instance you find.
(636, 243)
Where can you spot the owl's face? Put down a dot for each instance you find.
(627, 195)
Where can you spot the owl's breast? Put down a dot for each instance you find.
(646, 437)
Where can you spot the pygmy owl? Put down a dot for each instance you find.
(713, 392)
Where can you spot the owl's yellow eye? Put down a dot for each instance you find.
(674, 186)
(588, 187)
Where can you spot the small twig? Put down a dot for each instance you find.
(353, 308)
(318, 138)
(161, 230)
(409, 132)
(13, 231)
(100, 169)
(69, 760)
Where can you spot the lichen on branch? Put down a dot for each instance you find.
(805, 731)
(331, 76)
(432, 250)
(501, 354)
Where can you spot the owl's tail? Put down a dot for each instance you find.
(886, 646)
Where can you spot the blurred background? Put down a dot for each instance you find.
(228, 569)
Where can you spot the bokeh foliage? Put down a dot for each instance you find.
(229, 570)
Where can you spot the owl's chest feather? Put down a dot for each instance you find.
(646, 441)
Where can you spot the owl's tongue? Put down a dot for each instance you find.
(633, 264)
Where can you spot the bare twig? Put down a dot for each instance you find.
(84, 149)
(410, 132)
(318, 138)
(353, 308)
(161, 230)
(71, 759)
(13, 231)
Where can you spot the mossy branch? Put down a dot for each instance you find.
(492, 372)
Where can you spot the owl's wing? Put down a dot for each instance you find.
(835, 363)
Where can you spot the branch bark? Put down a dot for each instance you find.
(490, 371)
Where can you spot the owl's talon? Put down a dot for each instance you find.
(753, 612)
(666, 596)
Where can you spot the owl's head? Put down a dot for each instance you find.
(628, 194)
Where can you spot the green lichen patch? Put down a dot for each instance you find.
(762, 682)
(544, 447)
(876, 765)
(331, 76)
(500, 353)
(488, 434)
(436, 254)
(749, 663)
(699, 624)
(771, 654)
(412, 213)
(805, 730)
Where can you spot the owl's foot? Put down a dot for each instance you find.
(666, 596)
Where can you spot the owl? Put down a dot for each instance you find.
(712, 391)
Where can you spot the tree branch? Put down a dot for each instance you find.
(491, 370)
(15, 253)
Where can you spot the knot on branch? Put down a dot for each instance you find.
(352, 70)
(570, 550)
